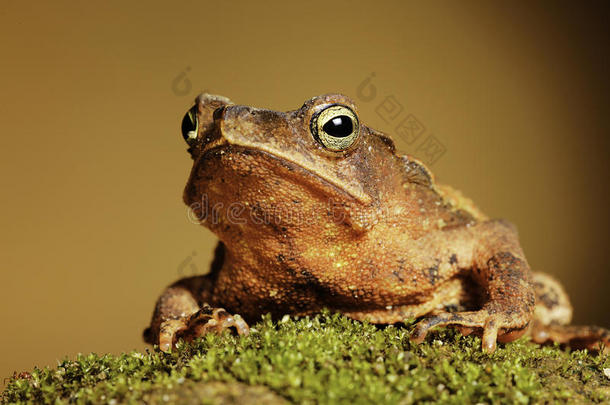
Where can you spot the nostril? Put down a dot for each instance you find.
(217, 114)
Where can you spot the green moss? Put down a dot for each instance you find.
(324, 359)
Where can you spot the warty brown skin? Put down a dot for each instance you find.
(361, 230)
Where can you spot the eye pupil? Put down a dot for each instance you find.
(339, 126)
(336, 127)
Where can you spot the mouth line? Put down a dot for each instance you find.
(286, 162)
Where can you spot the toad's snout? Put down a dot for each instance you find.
(198, 122)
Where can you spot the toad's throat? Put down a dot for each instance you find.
(284, 160)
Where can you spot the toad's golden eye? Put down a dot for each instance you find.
(190, 125)
(336, 127)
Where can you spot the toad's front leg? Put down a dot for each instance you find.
(182, 311)
(491, 252)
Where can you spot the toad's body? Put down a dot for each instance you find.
(314, 209)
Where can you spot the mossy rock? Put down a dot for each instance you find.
(214, 392)
(325, 359)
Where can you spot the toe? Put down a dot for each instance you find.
(423, 327)
(420, 332)
(226, 320)
(241, 325)
(167, 333)
(467, 323)
(490, 335)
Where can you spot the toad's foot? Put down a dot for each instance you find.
(492, 326)
(182, 312)
(592, 338)
(209, 319)
(489, 253)
(206, 320)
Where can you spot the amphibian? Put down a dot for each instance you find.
(315, 210)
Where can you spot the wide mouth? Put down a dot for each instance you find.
(282, 166)
(279, 139)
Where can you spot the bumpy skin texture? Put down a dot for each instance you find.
(363, 231)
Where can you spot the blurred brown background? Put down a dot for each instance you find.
(93, 164)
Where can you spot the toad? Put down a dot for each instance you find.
(315, 210)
